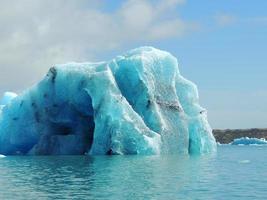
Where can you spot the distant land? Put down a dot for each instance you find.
(228, 135)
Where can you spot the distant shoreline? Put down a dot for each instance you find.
(228, 135)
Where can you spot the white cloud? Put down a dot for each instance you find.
(35, 34)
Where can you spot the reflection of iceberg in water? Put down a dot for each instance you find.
(150, 177)
(137, 103)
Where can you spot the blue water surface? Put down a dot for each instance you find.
(235, 172)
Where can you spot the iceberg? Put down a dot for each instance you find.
(249, 141)
(137, 103)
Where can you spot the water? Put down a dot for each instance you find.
(235, 172)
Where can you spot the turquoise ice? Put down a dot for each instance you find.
(249, 141)
(137, 103)
(7, 97)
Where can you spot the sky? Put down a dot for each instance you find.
(220, 45)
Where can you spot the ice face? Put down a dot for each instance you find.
(7, 97)
(137, 103)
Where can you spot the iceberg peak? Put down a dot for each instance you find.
(7, 98)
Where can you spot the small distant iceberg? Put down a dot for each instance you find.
(2, 156)
(221, 144)
(249, 141)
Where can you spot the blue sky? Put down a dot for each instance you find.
(220, 45)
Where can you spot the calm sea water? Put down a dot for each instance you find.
(235, 172)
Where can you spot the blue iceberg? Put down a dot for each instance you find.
(249, 141)
(137, 103)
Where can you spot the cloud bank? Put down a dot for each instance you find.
(36, 34)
